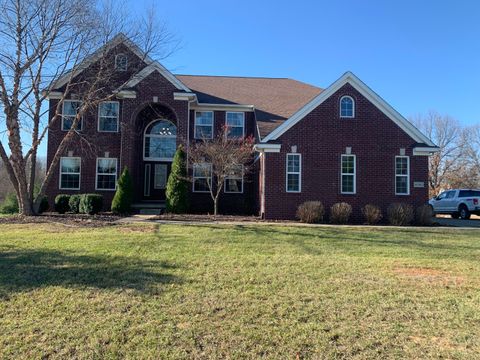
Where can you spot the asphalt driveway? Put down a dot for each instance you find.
(448, 221)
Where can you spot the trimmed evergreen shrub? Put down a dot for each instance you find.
(372, 214)
(74, 203)
(310, 212)
(61, 203)
(43, 205)
(424, 215)
(340, 213)
(400, 214)
(177, 185)
(122, 201)
(10, 204)
(91, 204)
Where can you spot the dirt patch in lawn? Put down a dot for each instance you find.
(428, 275)
(73, 220)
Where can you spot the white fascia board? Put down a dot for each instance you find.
(363, 89)
(267, 147)
(425, 151)
(223, 107)
(184, 96)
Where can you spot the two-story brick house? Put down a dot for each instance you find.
(341, 143)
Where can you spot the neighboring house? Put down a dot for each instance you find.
(342, 143)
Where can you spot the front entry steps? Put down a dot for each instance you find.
(149, 208)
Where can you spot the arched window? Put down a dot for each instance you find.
(160, 141)
(121, 62)
(347, 107)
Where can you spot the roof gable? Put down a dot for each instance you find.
(368, 93)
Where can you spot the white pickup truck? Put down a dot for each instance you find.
(460, 203)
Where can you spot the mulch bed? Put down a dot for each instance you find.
(77, 220)
(206, 218)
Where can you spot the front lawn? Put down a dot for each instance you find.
(211, 291)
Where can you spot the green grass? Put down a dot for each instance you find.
(238, 292)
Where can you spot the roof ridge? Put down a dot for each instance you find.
(237, 76)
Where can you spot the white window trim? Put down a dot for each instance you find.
(243, 122)
(407, 176)
(108, 117)
(60, 175)
(353, 107)
(299, 173)
(145, 135)
(354, 174)
(235, 178)
(63, 112)
(97, 173)
(202, 177)
(126, 63)
(195, 125)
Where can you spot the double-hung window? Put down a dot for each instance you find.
(69, 113)
(234, 181)
(70, 168)
(402, 175)
(108, 114)
(235, 122)
(203, 125)
(348, 174)
(294, 175)
(202, 176)
(106, 174)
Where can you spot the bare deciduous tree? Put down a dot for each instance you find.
(218, 159)
(40, 40)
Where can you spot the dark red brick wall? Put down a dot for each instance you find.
(321, 137)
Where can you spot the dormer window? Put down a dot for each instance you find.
(121, 62)
(347, 107)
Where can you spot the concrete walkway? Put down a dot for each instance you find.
(445, 220)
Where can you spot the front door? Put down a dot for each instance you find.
(155, 180)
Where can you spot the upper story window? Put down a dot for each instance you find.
(70, 173)
(347, 107)
(106, 174)
(121, 62)
(235, 122)
(294, 175)
(69, 112)
(160, 141)
(402, 175)
(108, 114)
(348, 169)
(203, 125)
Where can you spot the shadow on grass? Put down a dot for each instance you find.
(27, 269)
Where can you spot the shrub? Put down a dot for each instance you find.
(340, 213)
(43, 205)
(177, 185)
(122, 201)
(372, 214)
(91, 204)
(61, 203)
(423, 215)
(74, 203)
(10, 204)
(400, 214)
(310, 212)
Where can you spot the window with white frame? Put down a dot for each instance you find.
(347, 107)
(294, 176)
(402, 175)
(106, 174)
(202, 176)
(234, 181)
(121, 62)
(348, 174)
(69, 112)
(70, 168)
(160, 141)
(235, 122)
(108, 115)
(203, 125)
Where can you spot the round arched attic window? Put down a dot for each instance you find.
(121, 62)
(347, 107)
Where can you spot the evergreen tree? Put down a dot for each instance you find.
(177, 185)
(122, 201)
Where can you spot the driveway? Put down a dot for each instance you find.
(448, 221)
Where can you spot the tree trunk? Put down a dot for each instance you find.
(215, 206)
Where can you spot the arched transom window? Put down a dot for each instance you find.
(160, 141)
(347, 107)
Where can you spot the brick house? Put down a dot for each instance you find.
(341, 143)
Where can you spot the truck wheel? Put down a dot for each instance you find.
(455, 215)
(464, 213)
